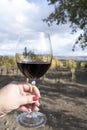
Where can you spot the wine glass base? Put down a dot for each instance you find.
(32, 120)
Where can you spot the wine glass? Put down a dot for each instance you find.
(33, 57)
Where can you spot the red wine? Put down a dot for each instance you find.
(33, 70)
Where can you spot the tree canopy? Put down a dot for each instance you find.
(74, 12)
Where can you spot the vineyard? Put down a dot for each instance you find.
(9, 67)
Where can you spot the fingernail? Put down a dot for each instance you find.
(35, 98)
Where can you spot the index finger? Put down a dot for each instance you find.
(35, 91)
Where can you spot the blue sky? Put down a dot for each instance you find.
(19, 15)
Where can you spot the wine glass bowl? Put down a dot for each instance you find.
(33, 57)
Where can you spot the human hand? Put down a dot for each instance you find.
(22, 96)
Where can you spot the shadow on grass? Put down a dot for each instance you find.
(60, 121)
(70, 91)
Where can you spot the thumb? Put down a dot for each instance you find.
(28, 99)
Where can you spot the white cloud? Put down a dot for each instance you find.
(19, 15)
(15, 14)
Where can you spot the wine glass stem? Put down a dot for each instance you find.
(30, 115)
(33, 82)
(27, 80)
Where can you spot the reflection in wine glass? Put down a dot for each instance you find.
(33, 56)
